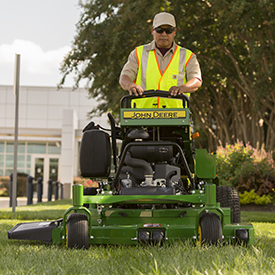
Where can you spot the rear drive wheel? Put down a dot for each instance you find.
(228, 197)
(210, 229)
(77, 231)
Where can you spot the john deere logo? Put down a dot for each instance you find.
(153, 114)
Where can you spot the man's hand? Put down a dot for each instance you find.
(190, 87)
(134, 89)
(176, 90)
(127, 84)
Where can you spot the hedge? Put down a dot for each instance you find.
(246, 168)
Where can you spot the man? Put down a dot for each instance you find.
(162, 64)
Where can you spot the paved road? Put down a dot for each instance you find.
(5, 201)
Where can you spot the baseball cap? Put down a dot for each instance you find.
(164, 18)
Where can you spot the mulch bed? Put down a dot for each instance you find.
(258, 208)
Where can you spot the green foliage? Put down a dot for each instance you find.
(246, 168)
(234, 42)
(85, 182)
(251, 197)
(107, 32)
(4, 192)
(4, 186)
(21, 184)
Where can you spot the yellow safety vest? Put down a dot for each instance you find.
(149, 76)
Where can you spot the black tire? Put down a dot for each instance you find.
(228, 197)
(210, 229)
(77, 231)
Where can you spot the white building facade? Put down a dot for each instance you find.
(49, 132)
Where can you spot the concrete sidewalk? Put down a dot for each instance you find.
(5, 201)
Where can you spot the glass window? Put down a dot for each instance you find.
(54, 148)
(21, 161)
(36, 148)
(1, 172)
(9, 160)
(9, 147)
(8, 171)
(1, 161)
(20, 148)
(39, 168)
(2, 146)
(28, 161)
(21, 170)
(53, 169)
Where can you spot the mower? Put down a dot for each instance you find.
(158, 189)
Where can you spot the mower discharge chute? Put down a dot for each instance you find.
(162, 189)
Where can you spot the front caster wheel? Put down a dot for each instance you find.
(210, 229)
(77, 231)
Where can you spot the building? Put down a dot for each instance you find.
(49, 132)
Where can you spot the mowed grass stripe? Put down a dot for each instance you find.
(29, 257)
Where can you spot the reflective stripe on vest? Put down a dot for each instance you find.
(149, 76)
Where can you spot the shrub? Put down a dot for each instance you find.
(251, 197)
(4, 186)
(21, 184)
(246, 168)
(85, 182)
(4, 192)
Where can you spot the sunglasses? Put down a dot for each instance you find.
(167, 30)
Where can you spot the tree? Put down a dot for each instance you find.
(106, 33)
(236, 52)
(234, 42)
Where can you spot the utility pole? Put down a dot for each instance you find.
(16, 93)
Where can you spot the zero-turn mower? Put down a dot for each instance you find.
(162, 189)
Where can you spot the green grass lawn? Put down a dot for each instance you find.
(29, 257)
(41, 211)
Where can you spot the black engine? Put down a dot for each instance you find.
(149, 166)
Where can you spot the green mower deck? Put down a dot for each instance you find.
(126, 226)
